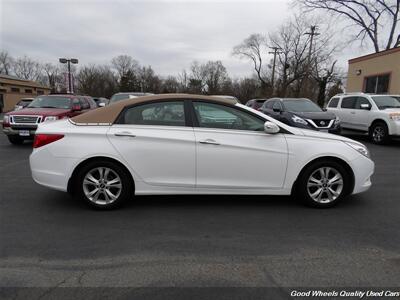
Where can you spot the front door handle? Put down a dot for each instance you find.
(125, 133)
(209, 142)
(353, 112)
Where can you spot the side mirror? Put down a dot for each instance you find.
(76, 107)
(102, 104)
(271, 128)
(365, 106)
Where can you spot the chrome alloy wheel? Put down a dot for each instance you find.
(325, 185)
(378, 134)
(102, 185)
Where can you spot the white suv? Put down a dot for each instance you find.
(379, 115)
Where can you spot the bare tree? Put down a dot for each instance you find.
(254, 47)
(372, 17)
(97, 81)
(124, 63)
(52, 77)
(6, 62)
(26, 68)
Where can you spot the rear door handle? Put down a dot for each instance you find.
(125, 133)
(209, 142)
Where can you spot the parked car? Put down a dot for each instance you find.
(232, 98)
(302, 113)
(189, 144)
(24, 102)
(100, 101)
(21, 125)
(255, 103)
(378, 115)
(127, 95)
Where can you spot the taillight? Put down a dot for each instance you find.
(44, 139)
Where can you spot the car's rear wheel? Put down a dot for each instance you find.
(15, 139)
(379, 133)
(323, 184)
(104, 185)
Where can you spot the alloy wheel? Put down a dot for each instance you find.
(325, 185)
(102, 186)
(378, 134)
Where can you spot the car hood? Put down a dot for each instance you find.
(323, 115)
(39, 111)
(324, 135)
(391, 110)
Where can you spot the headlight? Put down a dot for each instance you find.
(297, 119)
(337, 120)
(6, 119)
(360, 148)
(395, 116)
(51, 118)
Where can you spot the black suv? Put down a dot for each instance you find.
(302, 113)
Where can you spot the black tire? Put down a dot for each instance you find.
(127, 189)
(302, 190)
(379, 133)
(15, 139)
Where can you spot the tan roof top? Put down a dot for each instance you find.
(6, 79)
(108, 114)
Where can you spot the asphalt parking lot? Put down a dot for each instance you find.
(50, 241)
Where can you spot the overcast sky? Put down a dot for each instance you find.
(168, 35)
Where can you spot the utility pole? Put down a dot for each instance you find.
(312, 33)
(275, 53)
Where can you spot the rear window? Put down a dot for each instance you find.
(334, 102)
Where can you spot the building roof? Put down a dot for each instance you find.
(374, 55)
(8, 79)
(108, 114)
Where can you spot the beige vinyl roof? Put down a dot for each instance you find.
(108, 114)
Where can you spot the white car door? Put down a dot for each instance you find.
(233, 151)
(154, 141)
(362, 114)
(347, 112)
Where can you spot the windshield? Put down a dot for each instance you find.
(301, 106)
(384, 102)
(51, 102)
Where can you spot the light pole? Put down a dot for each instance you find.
(68, 61)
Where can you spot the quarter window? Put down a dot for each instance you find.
(212, 115)
(161, 113)
(349, 102)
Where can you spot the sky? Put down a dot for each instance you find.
(168, 35)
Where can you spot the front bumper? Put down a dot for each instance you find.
(363, 169)
(16, 131)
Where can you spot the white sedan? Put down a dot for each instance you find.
(188, 144)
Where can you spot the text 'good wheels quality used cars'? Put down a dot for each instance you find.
(188, 144)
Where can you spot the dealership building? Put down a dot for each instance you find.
(375, 73)
(13, 89)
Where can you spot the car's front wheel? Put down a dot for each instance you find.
(379, 133)
(323, 184)
(103, 185)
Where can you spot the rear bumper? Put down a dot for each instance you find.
(51, 171)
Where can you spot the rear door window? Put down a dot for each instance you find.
(349, 102)
(165, 113)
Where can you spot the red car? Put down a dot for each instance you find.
(21, 125)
